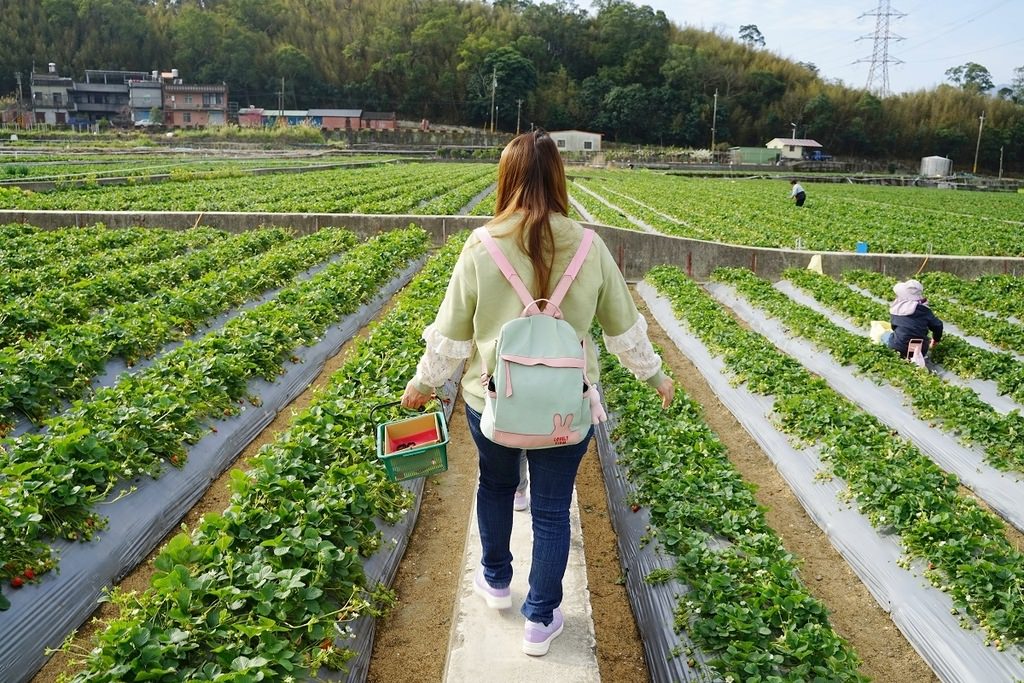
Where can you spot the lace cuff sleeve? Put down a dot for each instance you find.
(635, 350)
(441, 357)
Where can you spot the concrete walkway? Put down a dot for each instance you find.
(486, 643)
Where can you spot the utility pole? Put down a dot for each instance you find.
(519, 110)
(1000, 162)
(714, 120)
(280, 102)
(981, 124)
(494, 86)
(21, 101)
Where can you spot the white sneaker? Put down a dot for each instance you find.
(537, 637)
(496, 598)
(520, 502)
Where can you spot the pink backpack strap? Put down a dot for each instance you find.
(517, 283)
(569, 276)
(507, 270)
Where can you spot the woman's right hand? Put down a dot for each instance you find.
(413, 398)
(667, 390)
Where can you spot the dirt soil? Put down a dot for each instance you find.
(412, 641)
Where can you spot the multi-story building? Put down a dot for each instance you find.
(51, 101)
(104, 95)
(195, 106)
(145, 98)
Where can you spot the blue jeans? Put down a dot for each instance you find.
(552, 477)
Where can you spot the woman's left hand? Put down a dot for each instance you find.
(413, 398)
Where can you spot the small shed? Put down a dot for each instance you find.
(793, 148)
(250, 117)
(336, 119)
(379, 120)
(576, 140)
(284, 117)
(753, 155)
(936, 167)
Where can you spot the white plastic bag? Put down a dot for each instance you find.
(878, 328)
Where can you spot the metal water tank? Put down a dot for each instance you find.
(936, 167)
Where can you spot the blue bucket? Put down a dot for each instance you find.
(862, 247)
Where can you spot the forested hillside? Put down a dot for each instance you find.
(624, 70)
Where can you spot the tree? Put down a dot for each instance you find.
(759, 89)
(516, 78)
(1017, 85)
(751, 35)
(629, 43)
(624, 111)
(820, 118)
(970, 76)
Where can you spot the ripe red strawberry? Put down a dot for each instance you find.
(29, 573)
(17, 582)
(634, 507)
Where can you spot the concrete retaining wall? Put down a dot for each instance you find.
(635, 252)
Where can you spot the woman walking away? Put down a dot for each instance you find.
(911, 319)
(532, 232)
(797, 194)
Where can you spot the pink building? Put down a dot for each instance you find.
(195, 106)
(250, 117)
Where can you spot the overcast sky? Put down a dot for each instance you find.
(938, 34)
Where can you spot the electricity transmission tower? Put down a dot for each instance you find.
(878, 73)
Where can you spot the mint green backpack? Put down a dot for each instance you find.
(538, 395)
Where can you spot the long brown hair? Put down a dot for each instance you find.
(531, 179)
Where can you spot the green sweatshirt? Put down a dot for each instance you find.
(479, 300)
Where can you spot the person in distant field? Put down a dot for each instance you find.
(798, 193)
(911, 318)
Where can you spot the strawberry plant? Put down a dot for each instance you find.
(263, 590)
(897, 488)
(392, 188)
(43, 371)
(149, 246)
(953, 353)
(745, 605)
(55, 304)
(956, 409)
(1001, 333)
(51, 480)
(755, 212)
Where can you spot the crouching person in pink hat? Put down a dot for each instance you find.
(911, 318)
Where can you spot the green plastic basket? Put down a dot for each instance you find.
(414, 446)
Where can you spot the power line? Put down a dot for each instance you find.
(967, 54)
(880, 59)
(954, 25)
